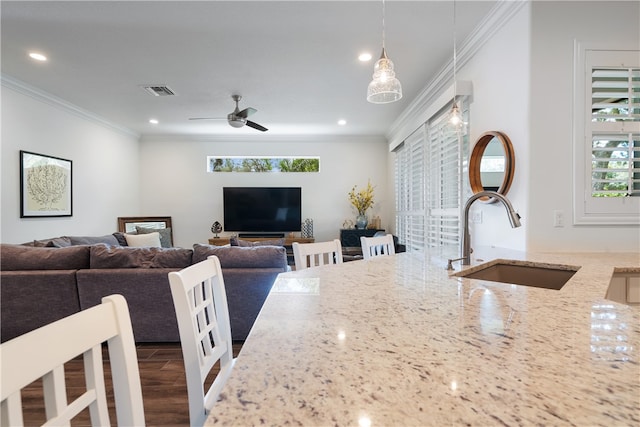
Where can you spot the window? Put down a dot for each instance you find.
(409, 179)
(430, 167)
(607, 184)
(262, 164)
(446, 165)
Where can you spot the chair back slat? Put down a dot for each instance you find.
(308, 255)
(377, 246)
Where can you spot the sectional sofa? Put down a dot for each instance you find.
(39, 285)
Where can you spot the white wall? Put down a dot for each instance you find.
(174, 180)
(555, 26)
(116, 175)
(105, 168)
(499, 72)
(522, 79)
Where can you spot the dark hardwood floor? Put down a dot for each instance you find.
(164, 388)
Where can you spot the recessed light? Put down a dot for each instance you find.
(342, 122)
(364, 57)
(37, 56)
(154, 121)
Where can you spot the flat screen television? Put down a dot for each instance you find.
(262, 210)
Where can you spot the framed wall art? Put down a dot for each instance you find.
(45, 186)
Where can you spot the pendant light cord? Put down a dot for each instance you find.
(455, 58)
(384, 86)
(383, 26)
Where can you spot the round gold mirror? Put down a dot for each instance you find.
(492, 164)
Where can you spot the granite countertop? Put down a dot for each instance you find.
(398, 341)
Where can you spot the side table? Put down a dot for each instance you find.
(351, 237)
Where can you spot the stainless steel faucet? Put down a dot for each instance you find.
(514, 219)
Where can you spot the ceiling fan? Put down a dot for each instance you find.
(238, 118)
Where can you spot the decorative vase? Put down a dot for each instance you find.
(361, 222)
(307, 228)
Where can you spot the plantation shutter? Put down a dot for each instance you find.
(430, 166)
(613, 133)
(401, 183)
(444, 183)
(615, 165)
(410, 191)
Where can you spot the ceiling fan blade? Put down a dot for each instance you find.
(207, 118)
(256, 126)
(246, 112)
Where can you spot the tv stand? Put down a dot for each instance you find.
(260, 235)
(221, 241)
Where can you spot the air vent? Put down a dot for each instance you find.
(158, 90)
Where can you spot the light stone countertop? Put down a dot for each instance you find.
(396, 341)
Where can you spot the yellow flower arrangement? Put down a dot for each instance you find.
(363, 199)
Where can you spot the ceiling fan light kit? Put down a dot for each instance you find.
(236, 122)
(385, 87)
(237, 118)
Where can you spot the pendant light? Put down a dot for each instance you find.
(385, 87)
(455, 116)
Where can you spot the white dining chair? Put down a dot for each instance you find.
(202, 312)
(377, 246)
(315, 254)
(43, 352)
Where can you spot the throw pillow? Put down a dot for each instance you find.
(61, 242)
(54, 242)
(151, 240)
(120, 238)
(165, 235)
(234, 241)
(92, 240)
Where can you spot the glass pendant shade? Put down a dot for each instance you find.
(384, 87)
(455, 118)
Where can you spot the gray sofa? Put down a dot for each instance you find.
(39, 285)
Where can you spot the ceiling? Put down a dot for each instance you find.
(296, 62)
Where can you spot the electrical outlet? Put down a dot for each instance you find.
(558, 218)
(476, 217)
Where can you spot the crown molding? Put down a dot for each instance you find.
(405, 124)
(52, 100)
(262, 139)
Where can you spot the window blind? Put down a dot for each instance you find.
(444, 184)
(410, 191)
(615, 102)
(615, 94)
(608, 152)
(430, 166)
(615, 165)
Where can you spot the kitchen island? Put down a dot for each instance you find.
(398, 341)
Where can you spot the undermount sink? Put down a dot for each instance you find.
(624, 287)
(539, 275)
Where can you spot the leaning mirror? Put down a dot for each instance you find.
(492, 164)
